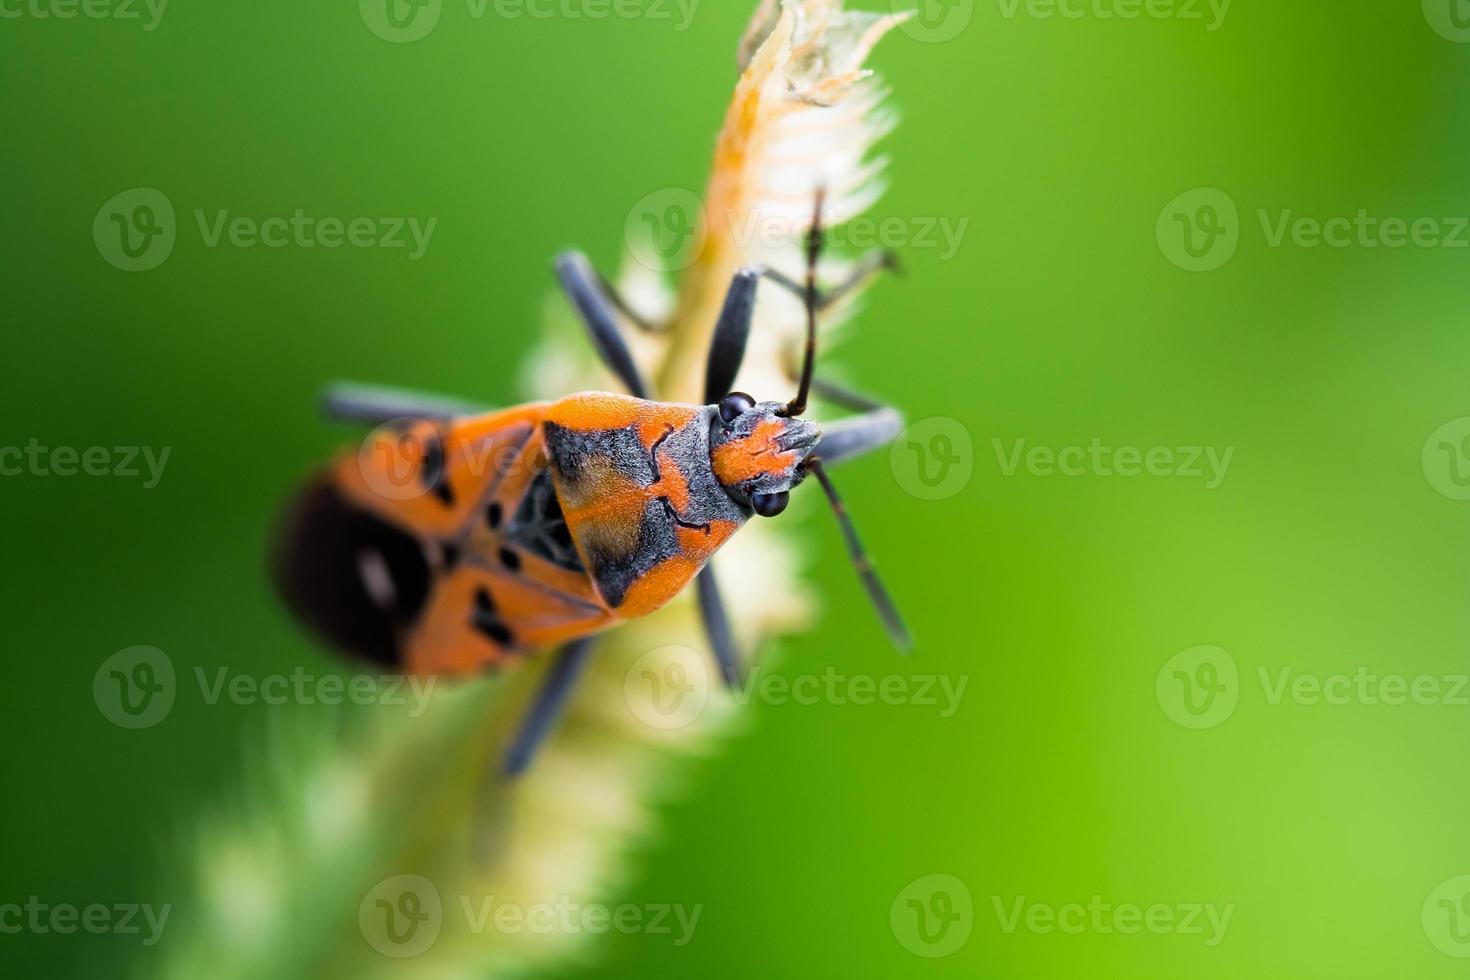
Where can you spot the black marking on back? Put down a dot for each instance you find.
(674, 516)
(540, 528)
(317, 568)
(687, 447)
(616, 573)
(572, 449)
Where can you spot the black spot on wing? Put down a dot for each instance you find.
(487, 620)
(319, 564)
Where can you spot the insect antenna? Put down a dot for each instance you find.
(814, 242)
(882, 601)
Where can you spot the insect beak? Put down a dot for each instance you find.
(800, 436)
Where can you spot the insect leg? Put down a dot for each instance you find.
(882, 601)
(583, 286)
(621, 304)
(717, 625)
(373, 405)
(732, 330)
(556, 686)
(876, 426)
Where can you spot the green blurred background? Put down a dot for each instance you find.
(1060, 319)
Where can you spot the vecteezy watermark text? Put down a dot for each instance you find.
(405, 21)
(136, 688)
(302, 687)
(64, 919)
(403, 916)
(136, 230)
(670, 687)
(1097, 459)
(301, 230)
(668, 229)
(1200, 230)
(124, 462)
(1204, 919)
(149, 12)
(1209, 12)
(1200, 687)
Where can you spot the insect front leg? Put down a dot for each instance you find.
(618, 300)
(585, 288)
(732, 330)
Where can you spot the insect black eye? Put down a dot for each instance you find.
(770, 504)
(734, 405)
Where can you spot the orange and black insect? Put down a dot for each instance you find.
(458, 540)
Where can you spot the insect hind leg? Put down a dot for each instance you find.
(556, 688)
(374, 405)
(717, 625)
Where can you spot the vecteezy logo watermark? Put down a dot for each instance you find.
(65, 919)
(148, 12)
(135, 229)
(1097, 459)
(932, 916)
(1446, 459)
(668, 687)
(1198, 687)
(123, 462)
(1450, 19)
(933, 459)
(666, 230)
(934, 21)
(1203, 919)
(137, 687)
(402, 21)
(401, 916)
(1446, 917)
(1199, 230)
(404, 916)
(1209, 12)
